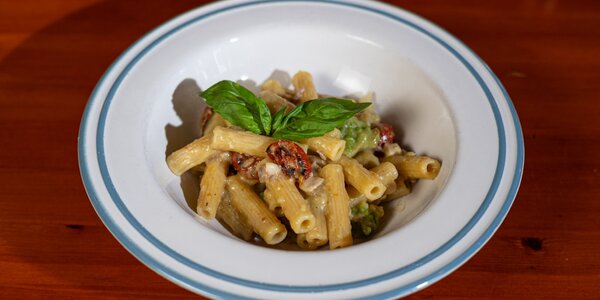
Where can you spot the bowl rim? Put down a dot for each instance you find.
(182, 21)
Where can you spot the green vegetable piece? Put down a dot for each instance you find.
(360, 210)
(365, 218)
(278, 119)
(358, 136)
(316, 117)
(239, 106)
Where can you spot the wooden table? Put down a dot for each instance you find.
(53, 245)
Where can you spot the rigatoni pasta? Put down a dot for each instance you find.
(193, 154)
(338, 209)
(387, 173)
(227, 139)
(330, 147)
(416, 167)
(362, 179)
(229, 216)
(294, 206)
(304, 87)
(212, 186)
(367, 158)
(318, 235)
(272, 203)
(262, 220)
(291, 162)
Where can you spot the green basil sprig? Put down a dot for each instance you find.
(312, 118)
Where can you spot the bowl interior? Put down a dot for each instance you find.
(344, 59)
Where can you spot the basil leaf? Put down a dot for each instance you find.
(294, 112)
(316, 117)
(239, 106)
(278, 118)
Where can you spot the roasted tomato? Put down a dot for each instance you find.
(206, 115)
(386, 133)
(245, 164)
(292, 159)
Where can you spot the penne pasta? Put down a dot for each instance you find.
(260, 218)
(362, 179)
(227, 139)
(337, 213)
(415, 167)
(190, 156)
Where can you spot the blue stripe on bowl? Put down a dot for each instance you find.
(181, 279)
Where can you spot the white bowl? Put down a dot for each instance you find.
(446, 102)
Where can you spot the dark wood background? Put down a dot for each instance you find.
(53, 245)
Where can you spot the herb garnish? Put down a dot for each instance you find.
(313, 118)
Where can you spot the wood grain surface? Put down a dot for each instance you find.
(54, 246)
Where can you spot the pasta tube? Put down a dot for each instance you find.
(362, 179)
(355, 196)
(304, 86)
(387, 174)
(214, 121)
(335, 133)
(337, 212)
(227, 139)
(262, 220)
(294, 206)
(189, 156)
(275, 102)
(415, 167)
(330, 147)
(238, 224)
(367, 158)
(274, 86)
(212, 186)
(402, 189)
(317, 236)
(303, 243)
(272, 203)
(368, 115)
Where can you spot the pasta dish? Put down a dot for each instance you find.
(290, 162)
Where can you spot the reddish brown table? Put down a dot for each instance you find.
(52, 244)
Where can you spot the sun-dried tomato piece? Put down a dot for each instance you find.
(245, 164)
(292, 159)
(206, 115)
(386, 133)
